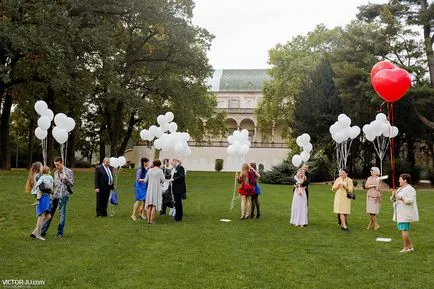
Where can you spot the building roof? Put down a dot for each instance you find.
(238, 80)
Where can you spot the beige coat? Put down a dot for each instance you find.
(373, 196)
(342, 205)
(406, 210)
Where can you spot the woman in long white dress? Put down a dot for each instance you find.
(154, 196)
(299, 201)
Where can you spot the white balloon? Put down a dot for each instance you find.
(61, 120)
(173, 127)
(381, 117)
(244, 149)
(305, 156)
(179, 147)
(122, 161)
(165, 127)
(44, 122)
(70, 124)
(236, 134)
(248, 143)
(231, 139)
(231, 150)
(355, 131)
(394, 132)
(159, 132)
(245, 133)
(41, 106)
(305, 139)
(153, 130)
(308, 147)
(60, 135)
(40, 133)
(366, 129)
(185, 136)
(334, 128)
(296, 160)
(344, 120)
(48, 113)
(340, 137)
(370, 137)
(161, 119)
(299, 141)
(144, 134)
(114, 162)
(169, 116)
(157, 144)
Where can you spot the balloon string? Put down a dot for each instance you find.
(392, 143)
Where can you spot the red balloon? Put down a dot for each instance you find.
(391, 84)
(380, 66)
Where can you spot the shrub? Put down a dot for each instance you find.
(282, 173)
(355, 183)
(261, 168)
(322, 169)
(428, 174)
(218, 165)
(400, 168)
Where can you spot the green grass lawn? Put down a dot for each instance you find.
(201, 252)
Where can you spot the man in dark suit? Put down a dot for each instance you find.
(178, 187)
(103, 186)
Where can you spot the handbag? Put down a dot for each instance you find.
(351, 195)
(114, 198)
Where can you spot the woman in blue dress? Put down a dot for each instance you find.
(140, 188)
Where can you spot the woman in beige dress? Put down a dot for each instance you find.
(342, 204)
(373, 197)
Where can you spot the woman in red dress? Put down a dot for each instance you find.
(247, 189)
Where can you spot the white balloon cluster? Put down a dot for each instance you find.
(379, 132)
(341, 130)
(343, 134)
(117, 162)
(239, 144)
(64, 125)
(44, 121)
(303, 141)
(380, 127)
(168, 139)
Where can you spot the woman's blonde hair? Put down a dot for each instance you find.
(35, 169)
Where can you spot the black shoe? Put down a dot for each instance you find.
(32, 236)
(162, 213)
(346, 229)
(257, 216)
(43, 234)
(59, 235)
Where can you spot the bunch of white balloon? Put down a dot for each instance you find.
(379, 132)
(44, 123)
(168, 139)
(302, 141)
(239, 144)
(343, 134)
(117, 162)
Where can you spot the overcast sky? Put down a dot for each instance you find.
(245, 30)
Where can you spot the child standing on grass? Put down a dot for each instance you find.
(43, 209)
(299, 201)
(255, 197)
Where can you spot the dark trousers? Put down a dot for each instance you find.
(102, 198)
(178, 207)
(54, 204)
(255, 203)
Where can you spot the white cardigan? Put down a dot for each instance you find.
(406, 211)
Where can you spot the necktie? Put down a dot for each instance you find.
(109, 174)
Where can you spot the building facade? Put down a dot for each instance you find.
(238, 94)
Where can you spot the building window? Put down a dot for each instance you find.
(234, 103)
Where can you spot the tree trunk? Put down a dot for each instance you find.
(115, 128)
(30, 143)
(428, 41)
(128, 134)
(4, 132)
(410, 152)
(70, 153)
(50, 139)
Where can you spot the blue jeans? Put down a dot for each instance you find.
(61, 204)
